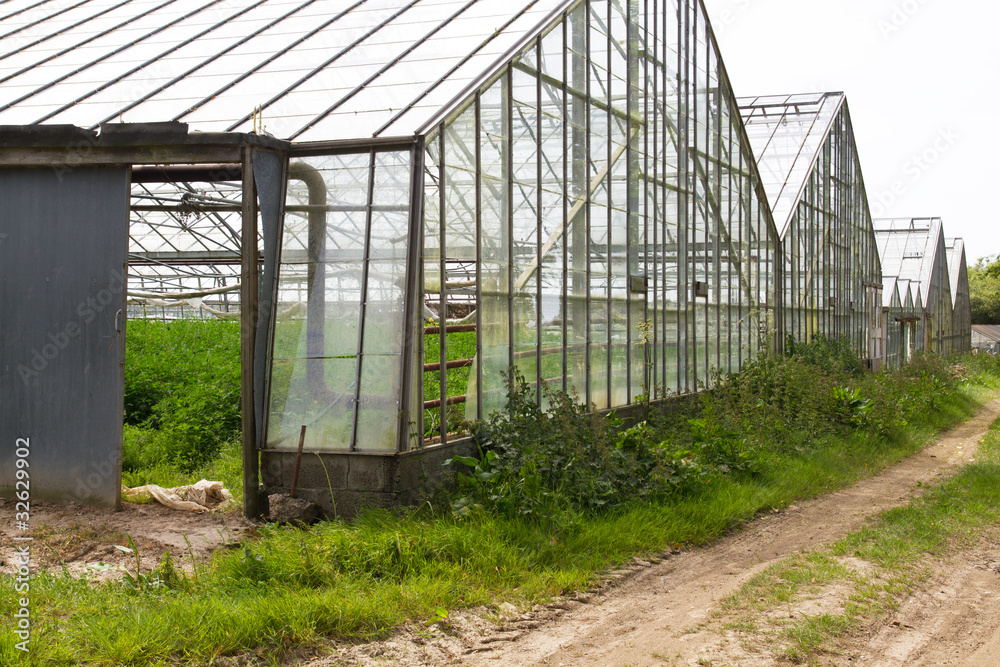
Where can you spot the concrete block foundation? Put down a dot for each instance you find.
(342, 483)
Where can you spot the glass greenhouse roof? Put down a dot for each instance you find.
(890, 292)
(956, 255)
(907, 247)
(301, 70)
(787, 133)
(316, 70)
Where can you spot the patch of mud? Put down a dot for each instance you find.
(85, 540)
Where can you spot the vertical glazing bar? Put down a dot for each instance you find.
(631, 179)
(684, 285)
(443, 291)
(684, 236)
(508, 163)
(744, 183)
(365, 259)
(827, 246)
(538, 221)
(609, 243)
(777, 301)
(761, 235)
(479, 256)
(664, 127)
(720, 224)
(729, 265)
(585, 172)
(705, 111)
(576, 185)
(413, 330)
(696, 257)
(652, 127)
(566, 189)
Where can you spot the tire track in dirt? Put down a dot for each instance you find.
(654, 618)
(656, 614)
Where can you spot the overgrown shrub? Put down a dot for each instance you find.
(182, 391)
(557, 464)
(777, 398)
(818, 389)
(551, 465)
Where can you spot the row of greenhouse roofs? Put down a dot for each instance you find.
(572, 185)
(805, 150)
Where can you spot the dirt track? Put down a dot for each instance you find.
(652, 614)
(656, 616)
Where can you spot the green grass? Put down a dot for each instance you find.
(182, 404)
(290, 588)
(182, 396)
(293, 588)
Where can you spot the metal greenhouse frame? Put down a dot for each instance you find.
(566, 182)
(403, 199)
(807, 155)
(914, 249)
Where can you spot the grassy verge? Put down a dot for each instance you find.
(293, 588)
(868, 573)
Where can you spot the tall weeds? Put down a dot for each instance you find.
(551, 466)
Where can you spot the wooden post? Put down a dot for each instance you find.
(298, 461)
(248, 336)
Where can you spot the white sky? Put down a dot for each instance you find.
(922, 79)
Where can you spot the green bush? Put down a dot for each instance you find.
(549, 466)
(556, 465)
(182, 392)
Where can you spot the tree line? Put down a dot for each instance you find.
(984, 290)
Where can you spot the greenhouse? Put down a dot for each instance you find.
(901, 312)
(914, 249)
(809, 163)
(401, 201)
(958, 276)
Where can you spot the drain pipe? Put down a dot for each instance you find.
(316, 281)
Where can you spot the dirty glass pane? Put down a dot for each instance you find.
(319, 302)
(495, 248)
(332, 243)
(381, 362)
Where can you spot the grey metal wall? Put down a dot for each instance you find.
(62, 329)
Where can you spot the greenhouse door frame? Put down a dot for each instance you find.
(157, 150)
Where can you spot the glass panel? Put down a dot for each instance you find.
(495, 246)
(319, 297)
(328, 231)
(381, 364)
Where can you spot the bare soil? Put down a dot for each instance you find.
(84, 539)
(659, 613)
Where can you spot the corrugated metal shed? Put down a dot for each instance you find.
(986, 332)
